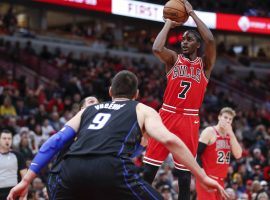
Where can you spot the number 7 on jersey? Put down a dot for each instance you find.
(186, 86)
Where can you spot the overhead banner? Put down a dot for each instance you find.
(98, 5)
(154, 12)
(243, 23)
(138, 9)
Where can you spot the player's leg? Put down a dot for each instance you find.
(188, 132)
(184, 179)
(149, 172)
(155, 154)
(79, 179)
(129, 185)
(63, 193)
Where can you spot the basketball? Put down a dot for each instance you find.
(175, 10)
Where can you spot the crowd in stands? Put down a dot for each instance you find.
(111, 36)
(258, 8)
(35, 112)
(102, 34)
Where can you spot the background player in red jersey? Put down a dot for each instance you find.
(187, 78)
(215, 146)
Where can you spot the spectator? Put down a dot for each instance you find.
(12, 125)
(9, 81)
(166, 192)
(29, 49)
(47, 129)
(256, 187)
(24, 146)
(7, 109)
(55, 121)
(10, 21)
(21, 110)
(163, 180)
(261, 53)
(37, 137)
(45, 54)
(258, 158)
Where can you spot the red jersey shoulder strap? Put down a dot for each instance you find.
(215, 130)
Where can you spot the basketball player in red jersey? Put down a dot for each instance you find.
(187, 78)
(215, 146)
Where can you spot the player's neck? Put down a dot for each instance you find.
(121, 99)
(191, 56)
(220, 130)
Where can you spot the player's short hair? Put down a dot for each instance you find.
(228, 110)
(124, 85)
(82, 102)
(5, 131)
(196, 35)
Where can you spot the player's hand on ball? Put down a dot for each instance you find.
(188, 6)
(173, 24)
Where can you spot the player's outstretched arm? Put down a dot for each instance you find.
(208, 38)
(165, 55)
(46, 152)
(151, 122)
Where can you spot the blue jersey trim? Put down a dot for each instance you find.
(139, 181)
(142, 183)
(125, 173)
(123, 145)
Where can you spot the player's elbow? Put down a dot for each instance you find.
(156, 50)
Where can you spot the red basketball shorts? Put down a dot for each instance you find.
(203, 194)
(186, 127)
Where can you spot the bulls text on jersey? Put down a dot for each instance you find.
(188, 72)
(222, 144)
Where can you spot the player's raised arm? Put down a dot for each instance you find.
(165, 55)
(209, 57)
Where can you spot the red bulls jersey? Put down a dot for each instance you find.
(186, 84)
(216, 157)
